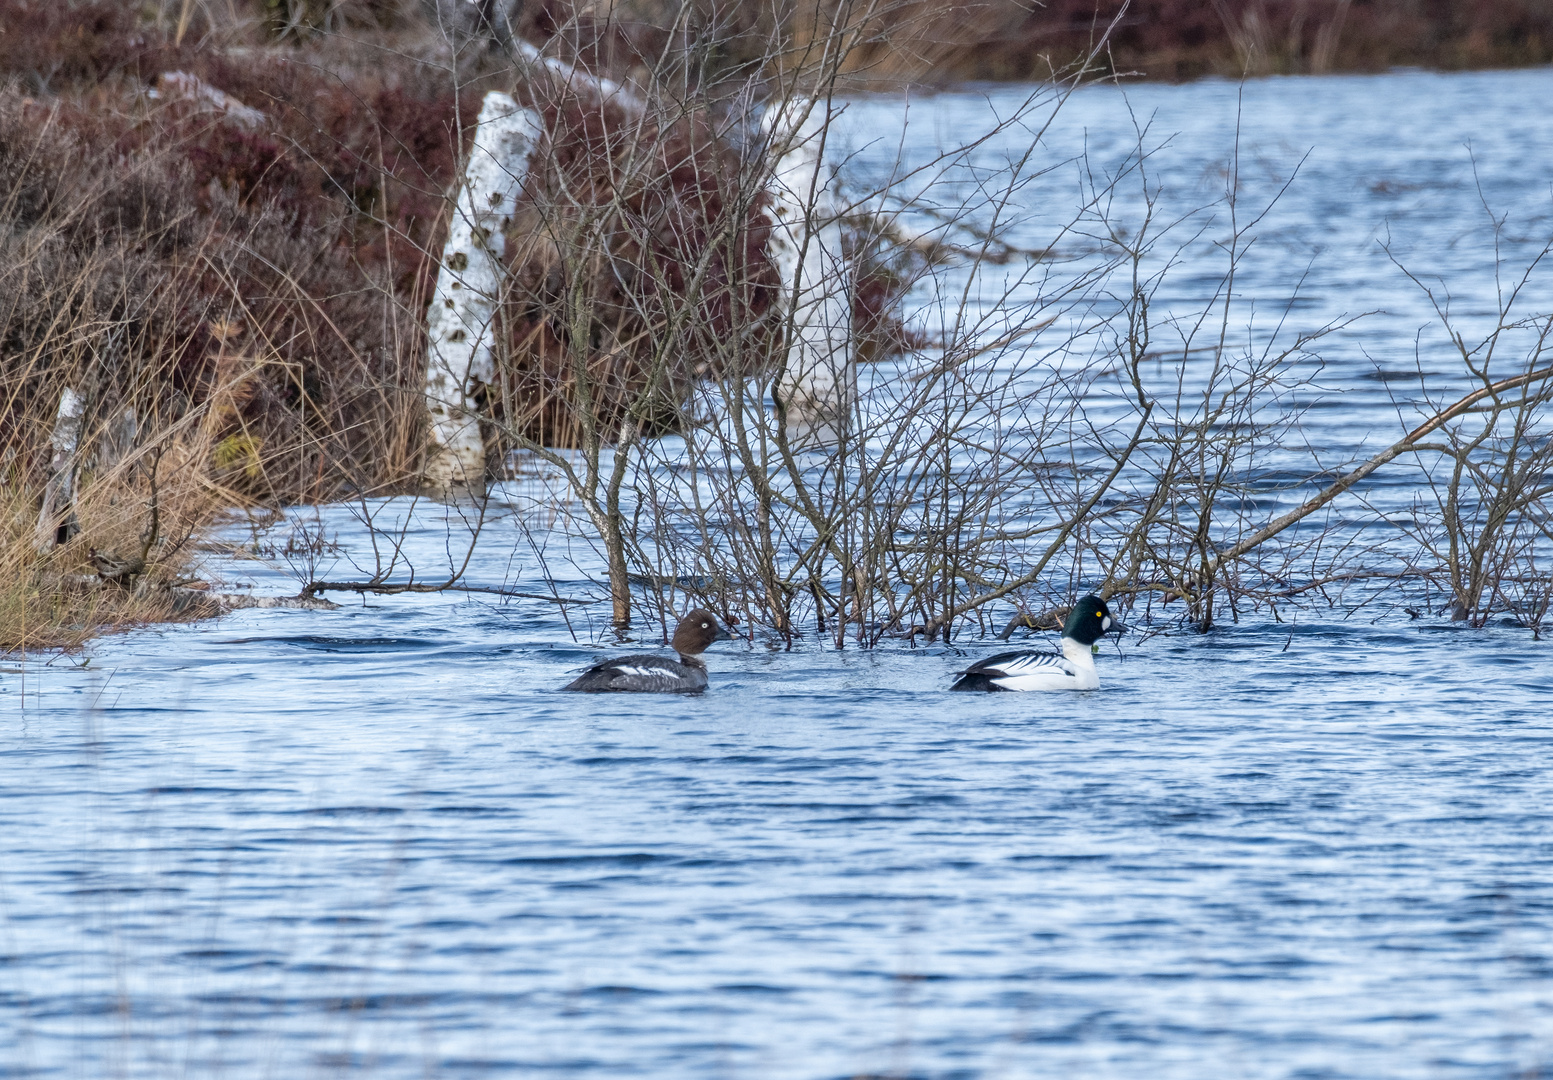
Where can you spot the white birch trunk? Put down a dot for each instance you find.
(180, 84)
(460, 325)
(58, 512)
(577, 80)
(820, 381)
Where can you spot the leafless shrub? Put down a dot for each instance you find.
(943, 446)
(1483, 534)
(1023, 450)
(1013, 425)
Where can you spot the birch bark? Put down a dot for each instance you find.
(460, 324)
(571, 77)
(56, 518)
(819, 382)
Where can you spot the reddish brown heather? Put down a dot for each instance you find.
(684, 242)
(295, 250)
(295, 256)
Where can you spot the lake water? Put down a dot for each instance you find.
(377, 842)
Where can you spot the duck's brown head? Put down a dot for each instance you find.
(696, 632)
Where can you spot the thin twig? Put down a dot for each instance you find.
(391, 588)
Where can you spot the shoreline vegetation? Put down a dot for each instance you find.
(225, 220)
(1179, 40)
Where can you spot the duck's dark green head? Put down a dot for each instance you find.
(1089, 620)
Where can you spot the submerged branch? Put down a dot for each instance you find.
(391, 588)
(1408, 443)
(226, 602)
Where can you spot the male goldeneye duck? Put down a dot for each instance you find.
(1032, 670)
(657, 674)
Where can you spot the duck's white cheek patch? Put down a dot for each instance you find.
(1105, 624)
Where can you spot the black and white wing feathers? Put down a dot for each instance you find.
(1024, 670)
(641, 674)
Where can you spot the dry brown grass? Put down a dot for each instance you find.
(57, 600)
(252, 293)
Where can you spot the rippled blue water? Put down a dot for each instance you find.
(1353, 183)
(376, 841)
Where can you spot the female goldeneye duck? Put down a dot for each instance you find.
(1032, 670)
(657, 674)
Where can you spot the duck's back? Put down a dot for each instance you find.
(1027, 670)
(642, 674)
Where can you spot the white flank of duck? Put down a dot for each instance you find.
(1031, 669)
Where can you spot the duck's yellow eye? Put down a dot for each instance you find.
(703, 626)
